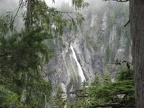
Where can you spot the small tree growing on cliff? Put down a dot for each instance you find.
(57, 100)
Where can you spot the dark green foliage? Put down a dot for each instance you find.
(109, 92)
(23, 54)
(58, 101)
(103, 92)
(120, 92)
(125, 75)
(97, 81)
(20, 54)
(79, 3)
(8, 98)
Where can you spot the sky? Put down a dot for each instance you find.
(57, 2)
(12, 6)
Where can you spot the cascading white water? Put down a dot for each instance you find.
(80, 71)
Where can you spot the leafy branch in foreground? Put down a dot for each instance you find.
(119, 93)
(22, 54)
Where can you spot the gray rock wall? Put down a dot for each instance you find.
(101, 41)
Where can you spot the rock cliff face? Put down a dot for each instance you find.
(100, 42)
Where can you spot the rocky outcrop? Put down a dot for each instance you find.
(102, 40)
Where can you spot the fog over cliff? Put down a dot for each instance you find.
(99, 42)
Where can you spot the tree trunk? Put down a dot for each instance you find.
(24, 90)
(137, 33)
(29, 14)
(28, 23)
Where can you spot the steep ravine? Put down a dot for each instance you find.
(101, 41)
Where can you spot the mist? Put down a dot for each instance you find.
(11, 6)
(8, 6)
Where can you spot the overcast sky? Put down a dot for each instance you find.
(11, 5)
(57, 2)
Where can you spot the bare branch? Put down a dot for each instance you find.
(20, 5)
(118, 0)
(127, 23)
(112, 105)
(80, 93)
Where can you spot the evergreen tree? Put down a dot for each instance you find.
(58, 100)
(23, 54)
(115, 94)
(106, 78)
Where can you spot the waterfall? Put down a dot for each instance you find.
(80, 71)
